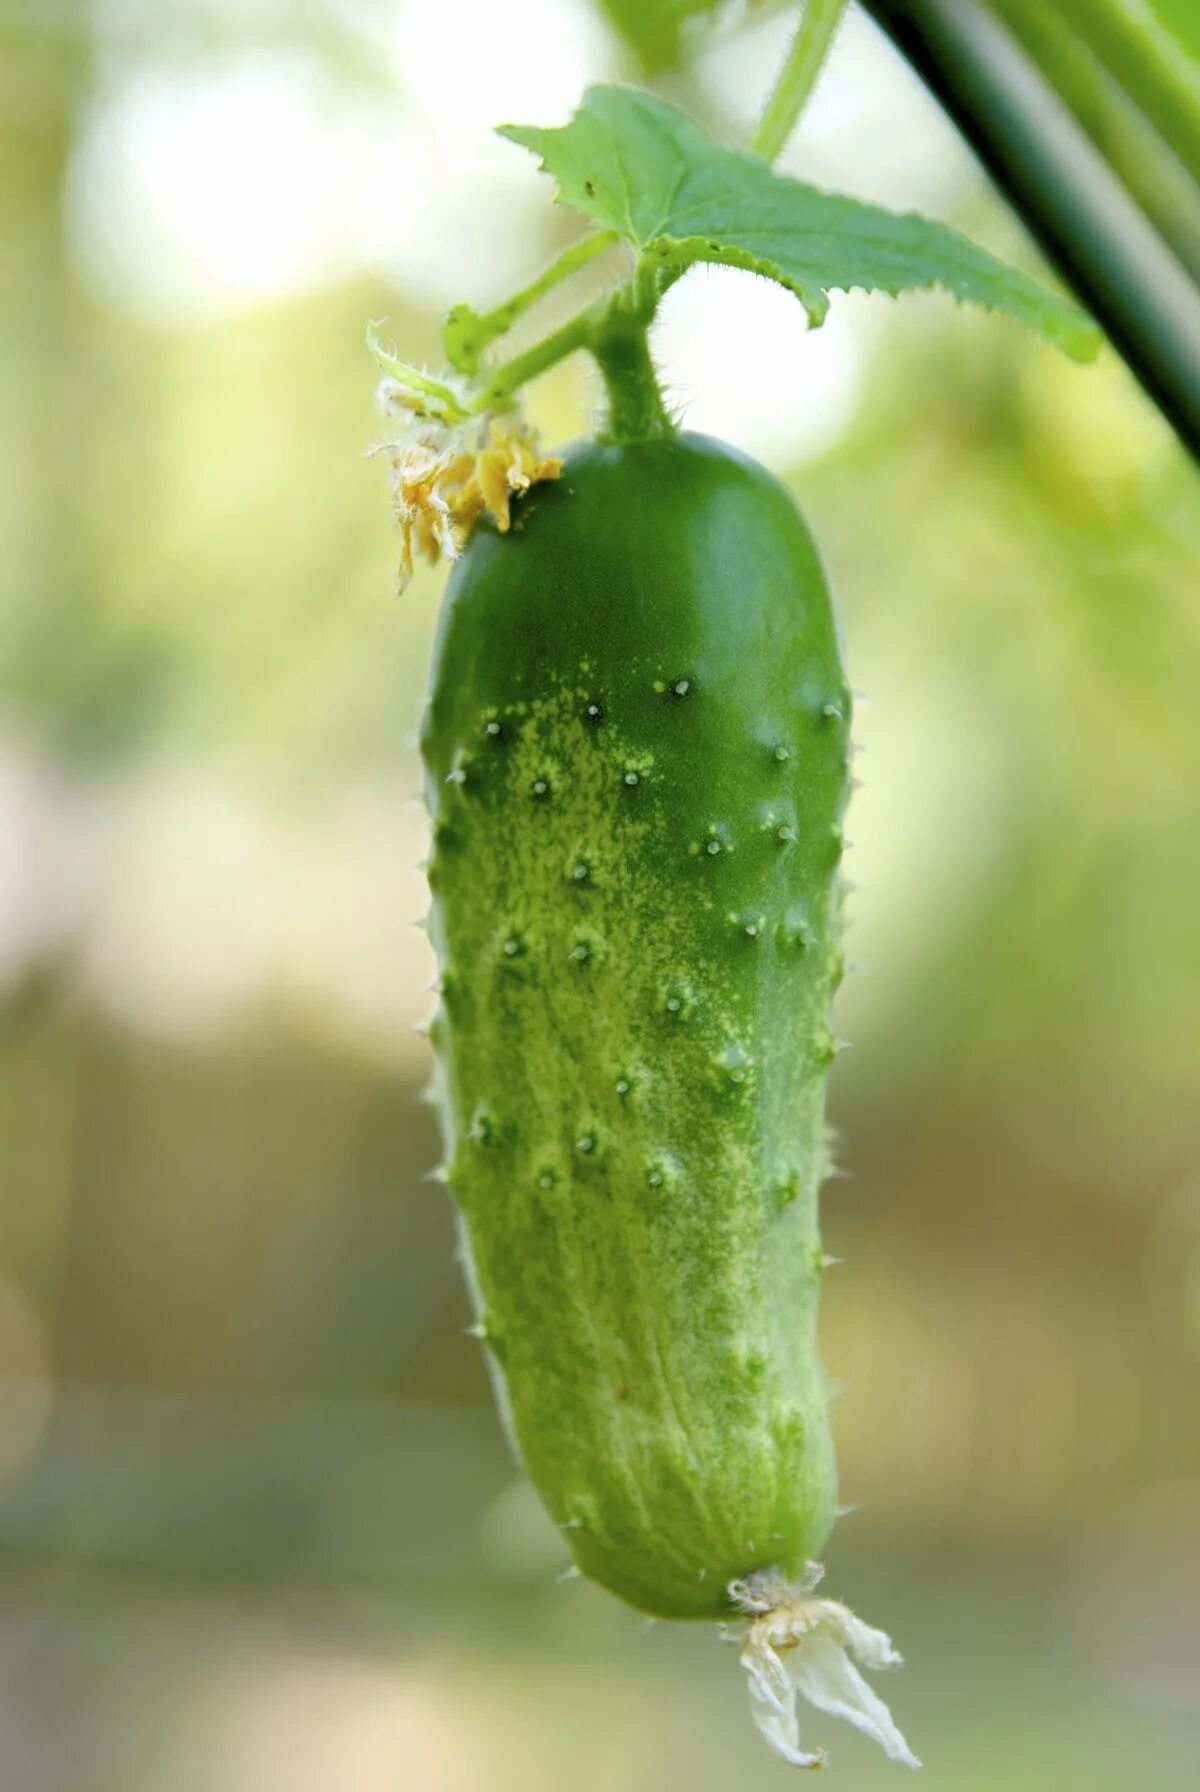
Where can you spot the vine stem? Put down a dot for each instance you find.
(798, 76)
(614, 332)
(469, 333)
(636, 411)
(504, 380)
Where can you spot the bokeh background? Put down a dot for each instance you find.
(258, 1529)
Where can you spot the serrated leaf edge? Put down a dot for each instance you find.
(1062, 322)
(690, 251)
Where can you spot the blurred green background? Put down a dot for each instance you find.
(258, 1528)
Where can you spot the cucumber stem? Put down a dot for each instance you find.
(798, 76)
(615, 333)
(636, 412)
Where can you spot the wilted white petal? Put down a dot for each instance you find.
(769, 1679)
(773, 1705)
(828, 1679)
(793, 1643)
(872, 1647)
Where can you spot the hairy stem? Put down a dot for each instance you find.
(798, 76)
(446, 402)
(615, 332)
(510, 375)
(636, 412)
(467, 333)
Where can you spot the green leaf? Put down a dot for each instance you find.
(646, 170)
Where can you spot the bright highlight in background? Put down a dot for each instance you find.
(195, 192)
(468, 66)
(788, 391)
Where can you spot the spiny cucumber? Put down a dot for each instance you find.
(637, 748)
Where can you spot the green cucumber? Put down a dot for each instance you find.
(637, 748)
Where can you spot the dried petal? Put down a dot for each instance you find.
(444, 477)
(793, 1643)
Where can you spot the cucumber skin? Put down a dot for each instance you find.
(637, 755)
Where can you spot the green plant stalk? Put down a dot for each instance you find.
(1136, 151)
(615, 332)
(415, 380)
(505, 380)
(798, 76)
(468, 334)
(635, 411)
(1060, 185)
(1149, 64)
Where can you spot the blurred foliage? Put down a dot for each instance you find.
(656, 29)
(251, 1485)
(1121, 224)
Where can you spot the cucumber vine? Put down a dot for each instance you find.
(655, 184)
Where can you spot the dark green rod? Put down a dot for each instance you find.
(1061, 186)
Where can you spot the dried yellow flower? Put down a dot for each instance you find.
(444, 477)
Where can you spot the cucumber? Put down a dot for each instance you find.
(637, 751)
